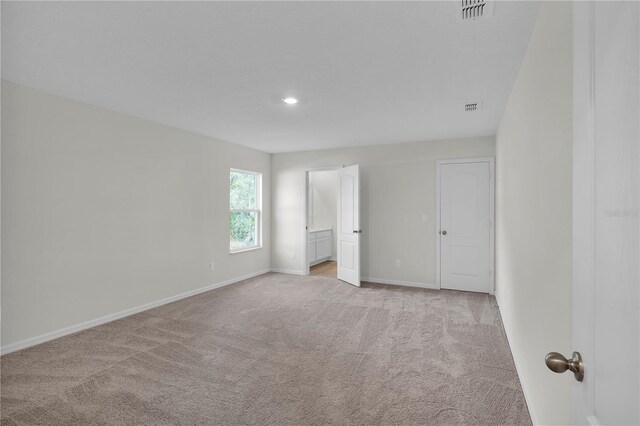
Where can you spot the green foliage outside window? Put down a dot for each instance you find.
(244, 215)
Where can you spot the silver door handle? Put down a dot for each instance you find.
(559, 364)
(443, 232)
(359, 231)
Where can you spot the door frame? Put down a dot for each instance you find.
(305, 212)
(492, 215)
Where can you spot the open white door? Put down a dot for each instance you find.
(348, 238)
(606, 202)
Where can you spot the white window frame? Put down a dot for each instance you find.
(257, 210)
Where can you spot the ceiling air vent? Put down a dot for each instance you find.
(472, 106)
(475, 9)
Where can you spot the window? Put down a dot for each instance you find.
(245, 203)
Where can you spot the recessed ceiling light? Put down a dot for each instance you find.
(290, 101)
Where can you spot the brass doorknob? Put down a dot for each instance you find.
(559, 364)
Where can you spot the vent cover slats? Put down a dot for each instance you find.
(475, 9)
(473, 106)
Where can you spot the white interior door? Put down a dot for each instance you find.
(465, 226)
(349, 231)
(606, 202)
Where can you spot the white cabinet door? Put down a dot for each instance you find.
(323, 248)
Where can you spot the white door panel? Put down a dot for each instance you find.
(349, 225)
(465, 226)
(606, 201)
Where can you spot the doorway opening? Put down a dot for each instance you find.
(333, 236)
(322, 217)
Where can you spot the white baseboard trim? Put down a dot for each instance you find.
(287, 271)
(523, 382)
(23, 344)
(404, 283)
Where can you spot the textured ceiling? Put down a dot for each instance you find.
(365, 72)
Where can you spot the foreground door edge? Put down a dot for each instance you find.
(606, 197)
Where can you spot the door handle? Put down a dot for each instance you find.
(359, 231)
(443, 232)
(559, 364)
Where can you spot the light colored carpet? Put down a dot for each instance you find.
(275, 350)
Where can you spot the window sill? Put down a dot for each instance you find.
(245, 250)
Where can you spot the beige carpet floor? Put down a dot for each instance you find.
(278, 350)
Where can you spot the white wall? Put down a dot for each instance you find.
(397, 188)
(323, 196)
(102, 212)
(534, 210)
